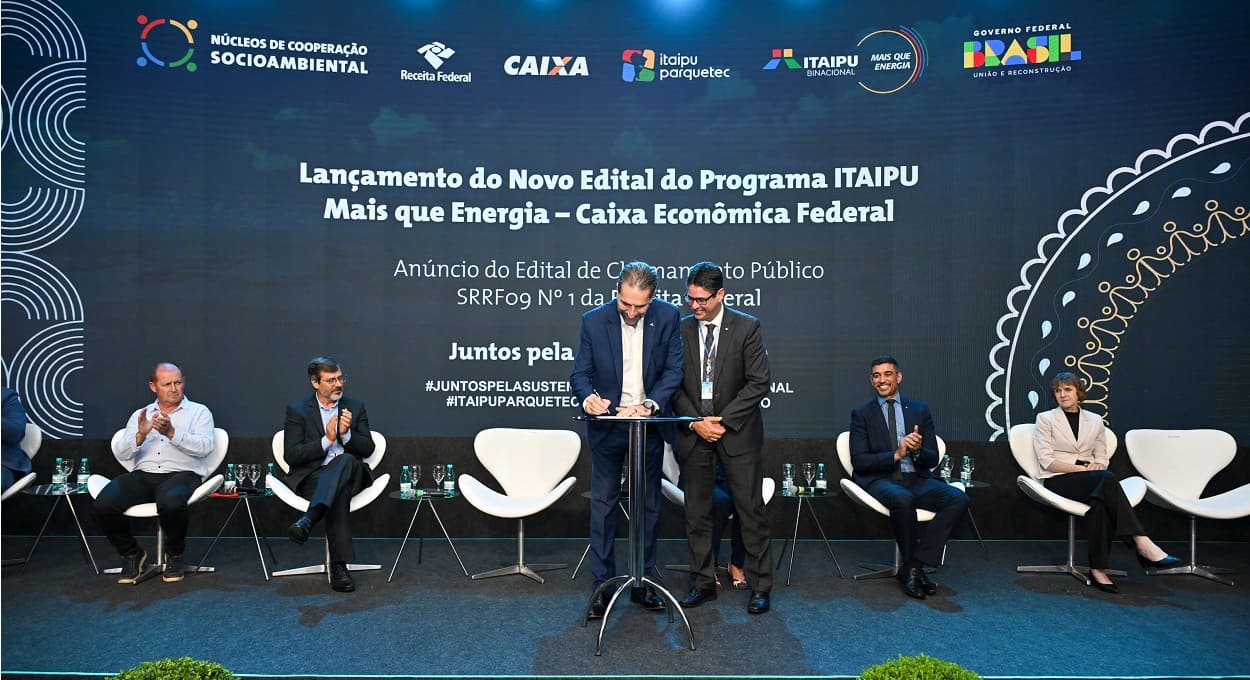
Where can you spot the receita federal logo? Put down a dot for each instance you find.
(648, 65)
(171, 41)
(1020, 51)
(884, 61)
(436, 55)
(535, 65)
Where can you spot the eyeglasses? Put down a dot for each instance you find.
(337, 380)
(701, 301)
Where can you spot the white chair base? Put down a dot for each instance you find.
(1205, 571)
(1070, 568)
(324, 567)
(158, 566)
(529, 570)
(888, 570)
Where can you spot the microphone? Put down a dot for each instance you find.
(338, 420)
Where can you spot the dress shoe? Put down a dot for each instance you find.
(341, 577)
(1167, 562)
(598, 608)
(647, 598)
(759, 603)
(300, 529)
(1105, 587)
(909, 578)
(926, 584)
(698, 596)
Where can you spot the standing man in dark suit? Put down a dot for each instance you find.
(893, 447)
(16, 462)
(726, 376)
(628, 364)
(325, 443)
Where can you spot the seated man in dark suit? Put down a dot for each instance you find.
(325, 444)
(893, 447)
(16, 462)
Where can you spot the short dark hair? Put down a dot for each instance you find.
(884, 359)
(1067, 378)
(706, 275)
(638, 274)
(321, 365)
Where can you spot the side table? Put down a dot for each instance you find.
(244, 499)
(67, 492)
(426, 497)
(798, 513)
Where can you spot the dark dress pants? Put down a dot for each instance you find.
(332, 487)
(1110, 514)
(170, 491)
(723, 516)
(605, 491)
(903, 498)
(743, 474)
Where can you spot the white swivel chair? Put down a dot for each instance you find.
(1178, 465)
(96, 484)
(298, 502)
(1021, 439)
(529, 465)
(671, 472)
(30, 446)
(862, 497)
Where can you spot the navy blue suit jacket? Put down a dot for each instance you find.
(598, 365)
(872, 457)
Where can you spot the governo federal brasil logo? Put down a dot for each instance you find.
(168, 43)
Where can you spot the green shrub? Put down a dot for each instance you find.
(185, 668)
(918, 668)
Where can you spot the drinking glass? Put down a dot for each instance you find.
(809, 472)
(253, 473)
(438, 476)
(65, 470)
(415, 471)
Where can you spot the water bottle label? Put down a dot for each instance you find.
(822, 485)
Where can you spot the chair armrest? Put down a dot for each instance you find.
(672, 492)
(18, 486)
(496, 504)
(370, 494)
(286, 495)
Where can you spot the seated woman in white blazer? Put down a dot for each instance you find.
(1071, 448)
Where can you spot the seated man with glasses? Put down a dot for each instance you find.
(326, 442)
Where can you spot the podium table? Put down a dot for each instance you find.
(636, 578)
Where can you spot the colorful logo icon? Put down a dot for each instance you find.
(638, 66)
(436, 53)
(148, 58)
(782, 54)
(1037, 49)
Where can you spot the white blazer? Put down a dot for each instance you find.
(1053, 440)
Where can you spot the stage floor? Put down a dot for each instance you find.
(59, 618)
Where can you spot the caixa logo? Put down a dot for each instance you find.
(519, 65)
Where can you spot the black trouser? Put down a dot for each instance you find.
(1110, 514)
(332, 487)
(903, 498)
(744, 474)
(170, 491)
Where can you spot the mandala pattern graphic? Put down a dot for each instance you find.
(1101, 265)
(38, 126)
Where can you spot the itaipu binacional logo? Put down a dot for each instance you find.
(883, 62)
(146, 41)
